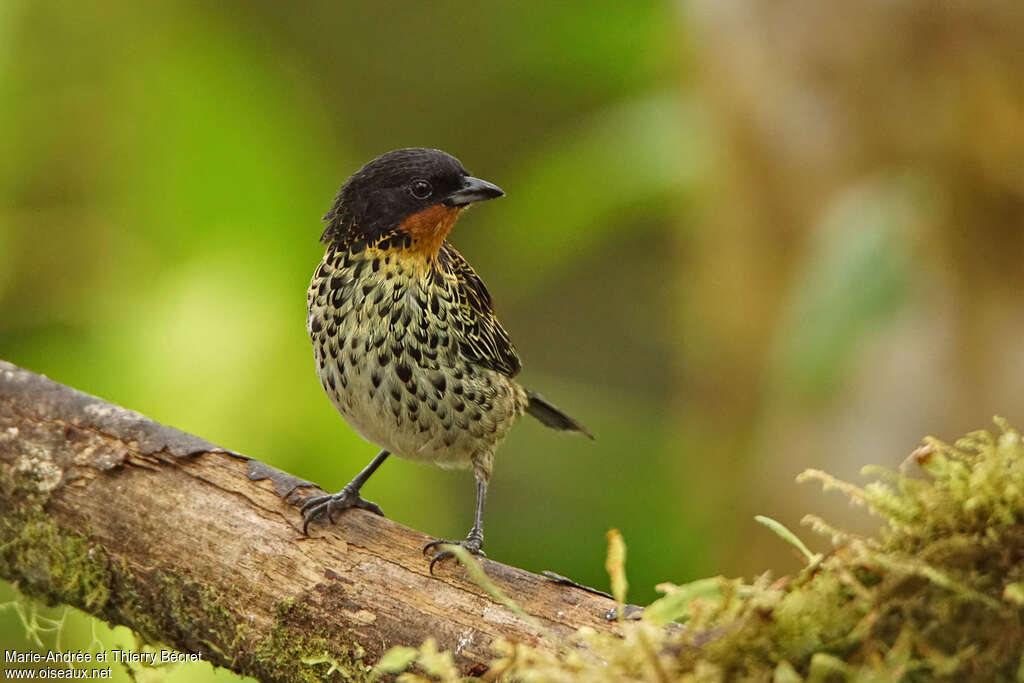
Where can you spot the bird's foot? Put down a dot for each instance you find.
(330, 505)
(473, 543)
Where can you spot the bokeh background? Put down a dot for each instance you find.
(740, 239)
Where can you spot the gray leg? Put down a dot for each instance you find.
(347, 498)
(474, 539)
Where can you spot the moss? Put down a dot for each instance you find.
(937, 594)
(48, 563)
(300, 650)
(56, 566)
(60, 567)
(177, 609)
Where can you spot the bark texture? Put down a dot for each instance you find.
(201, 548)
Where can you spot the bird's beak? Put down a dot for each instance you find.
(473, 190)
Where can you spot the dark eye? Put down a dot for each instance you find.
(420, 189)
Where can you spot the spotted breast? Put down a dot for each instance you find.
(397, 346)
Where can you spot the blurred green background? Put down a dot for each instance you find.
(739, 239)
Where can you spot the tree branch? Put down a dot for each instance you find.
(201, 548)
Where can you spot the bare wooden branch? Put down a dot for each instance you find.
(201, 549)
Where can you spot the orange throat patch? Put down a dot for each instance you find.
(429, 227)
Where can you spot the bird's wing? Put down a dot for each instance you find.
(483, 340)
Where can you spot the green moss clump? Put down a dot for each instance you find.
(937, 595)
(49, 564)
(299, 651)
(54, 567)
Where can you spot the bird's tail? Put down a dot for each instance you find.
(552, 416)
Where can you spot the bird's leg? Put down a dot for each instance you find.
(347, 498)
(474, 539)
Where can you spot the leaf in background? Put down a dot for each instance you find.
(788, 536)
(855, 277)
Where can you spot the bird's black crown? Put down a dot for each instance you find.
(375, 200)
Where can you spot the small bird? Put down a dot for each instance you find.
(406, 341)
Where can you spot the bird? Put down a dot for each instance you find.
(406, 341)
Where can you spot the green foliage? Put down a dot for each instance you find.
(936, 595)
(857, 275)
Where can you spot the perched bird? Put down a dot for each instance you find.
(406, 342)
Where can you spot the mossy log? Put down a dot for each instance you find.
(202, 549)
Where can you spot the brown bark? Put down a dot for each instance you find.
(202, 549)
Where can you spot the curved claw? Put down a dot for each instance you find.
(316, 506)
(310, 502)
(472, 545)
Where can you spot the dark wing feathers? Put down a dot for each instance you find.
(483, 340)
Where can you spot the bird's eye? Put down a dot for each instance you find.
(420, 189)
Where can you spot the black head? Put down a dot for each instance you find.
(383, 193)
